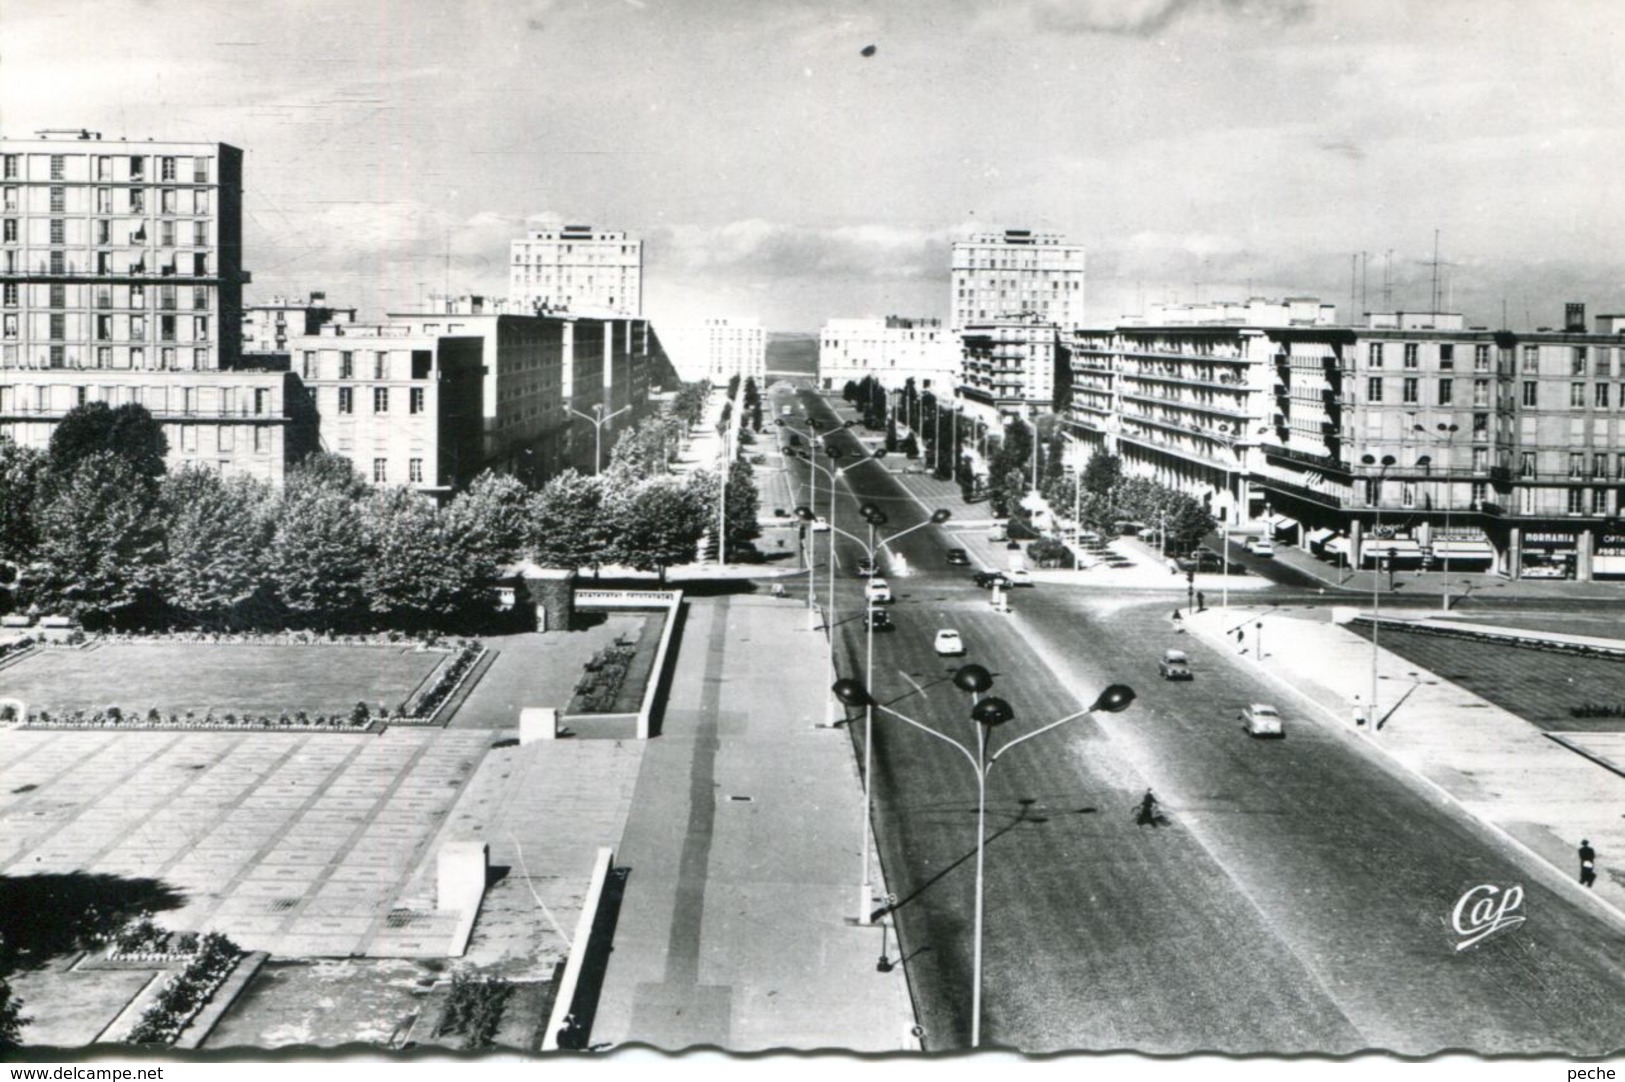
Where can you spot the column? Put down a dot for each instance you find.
(1515, 553)
(1584, 545)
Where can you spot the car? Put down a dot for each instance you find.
(1020, 577)
(958, 557)
(866, 568)
(987, 578)
(997, 533)
(820, 525)
(1259, 546)
(878, 620)
(1174, 665)
(878, 591)
(1262, 719)
(949, 644)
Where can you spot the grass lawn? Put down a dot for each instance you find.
(180, 676)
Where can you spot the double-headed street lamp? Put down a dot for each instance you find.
(1448, 439)
(986, 714)
(598, 418)
(1376, 574)
(876, 518)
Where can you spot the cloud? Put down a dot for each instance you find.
(1147, 18)
(756, 247)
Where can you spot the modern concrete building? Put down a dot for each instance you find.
(267, 327)
(1406, 439)
(577, 269)
(893, 350)
(718, 349)
(1016, 275)
(1008, 368)
(121, 281)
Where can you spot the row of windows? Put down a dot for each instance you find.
(67, 201)
(380, 400)
(102, 234)
(191, 401)
(60, 295)
(169, 167)
(1375, 353)
(106, 329)
(380, 471)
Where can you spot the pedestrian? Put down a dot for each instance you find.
(1359, 712)
(1201, 601)
(1241, 640)
(1588, 863)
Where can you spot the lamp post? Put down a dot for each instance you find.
(1376, 575)
(598, 419)
(876, 518)
(1448, 439)
(812, 534)
(987, 714)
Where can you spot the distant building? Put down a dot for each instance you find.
(121, 281)
(1016, 275)
(1008, 368)
(718, 349)
(576, 269)
(893, 350)
(267, 327)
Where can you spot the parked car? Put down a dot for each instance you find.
(949, 644)
(1259, 546)
(958, 557)
(878, 591)
(998, 532)
(1020, 577)
(987, 578)
(1262, 719)
(878, 620)
(866, 568)
(1174, 665)
(820, 525)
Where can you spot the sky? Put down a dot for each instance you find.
(1198, 149)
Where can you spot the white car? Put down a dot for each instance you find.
(949, 644)
(1262, 719)
(820, 524)
(1019, 577)
(1260, 546)
(878, 591)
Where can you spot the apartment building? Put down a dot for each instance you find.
(1008, 368)
(576, 269)
(892, 350)
(1410, 440)
(268, 327)
(1016, 275)
(718, 348)
(121, 281)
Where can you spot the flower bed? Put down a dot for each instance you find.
(450, 676)
(187, 992)
(595, 692)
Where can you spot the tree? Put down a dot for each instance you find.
(570, 526)
(22, 480)
(744, 504)
(128, 432)
(423, 568)
(849, 393)
(101, 549)
(1102, 473)
(911, 446)
(891, 434)
(497, 513)
(319, 549)
(657, 524)
(643, 450)
(12, 1019)
(329, 471)
(218, 533)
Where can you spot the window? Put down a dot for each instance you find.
(138, 201)
(10, 167)
(59, 200)
(1373, 389)
(138, 327)
(200, 328)
(262, 439)
(414, 471)
(10, 325)
(1577, 361)
(1601, 396)
(57, 163)
(166, 234)
(1577, 501)
(104, 357)
(104, 328)
(166, 328)
(200, 359)
(1529, 392)
(166, 201)
(200, 264)
(380, 400)
(189, 438)
(1447, 389)
(166, 359)
(166, 168)
(59, 327)
(415, 400)
(307, 365)
(1373, 491)
(346, 400)
(200, 170)
(227, 438)
(1481, 459)
(59, 231)
(1577, 465)
(1526, 464)
(104, 200)
(138, 357)
(1408, 390)
(380, 365)
(1407, 494)
(1531, 358)
(1599, 501)
(200, 202)
(1481, 426)
(1577, 394)
(200, 234)
(10, 292)
(10, 231)
(9, 199)
(138, 166)
(1447, 355)
(200, 298)
(1373, 355)
(380, 470)
(138, 296)
(262, 400)
(1599, 466)
(1411, 351)
(346, 365)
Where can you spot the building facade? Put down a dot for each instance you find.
(577, 269)
(892, 350)
(718, 348)
(1008, 368)
(1407, 441)
(268, 327)
(1017, 274)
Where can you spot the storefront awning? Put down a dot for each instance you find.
(1317, 537)
(1478, 549)
(1337, 546)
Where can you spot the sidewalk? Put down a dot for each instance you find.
(742, 851)
(1542, 794)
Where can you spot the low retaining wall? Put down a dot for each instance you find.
(1505, 636)
(610, 725)
(565, 1023)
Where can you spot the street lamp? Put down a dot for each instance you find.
(1376, 575)
(987, 714)
(598, 419)
(876, 518)
(1448, 439)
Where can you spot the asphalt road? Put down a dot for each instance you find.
(1299, 899)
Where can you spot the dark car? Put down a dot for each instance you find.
(987, 579)
(866, 568)
(958, 557)
(878, 620)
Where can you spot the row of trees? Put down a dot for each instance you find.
(95, 528)
(1104, 496)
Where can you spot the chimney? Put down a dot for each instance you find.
(1574, 317)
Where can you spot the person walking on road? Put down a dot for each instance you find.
(1359, 712)
(1588, 863)
(1201, 601)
